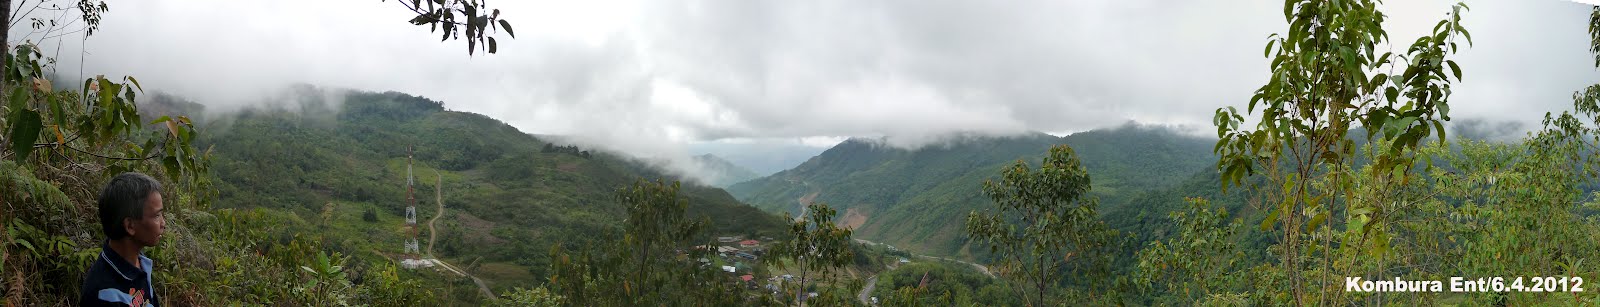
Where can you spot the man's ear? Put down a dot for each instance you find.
(127, 226)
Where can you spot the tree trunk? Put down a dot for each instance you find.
(5, 33)
(5, 40)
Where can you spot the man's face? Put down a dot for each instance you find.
(147, 229)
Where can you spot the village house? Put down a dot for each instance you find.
(749, 280)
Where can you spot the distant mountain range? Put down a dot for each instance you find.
(919, 199)
(721, 173)
(761, 157)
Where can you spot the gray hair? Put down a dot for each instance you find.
(124, 197)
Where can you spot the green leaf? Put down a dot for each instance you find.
(25, 243)
(19, 99)
(136, 83)
(108, 91)
(492, 45)
(25, 126)
(171, 165)
(1317, 220)
(421, 19)
(507, 25)
(1439, 126)
(1266, 224)
(1455, 69)
(56, 111)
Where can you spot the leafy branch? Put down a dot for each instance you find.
(457, 16)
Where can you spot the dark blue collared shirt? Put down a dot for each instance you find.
(112, 281)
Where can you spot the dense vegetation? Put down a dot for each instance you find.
(508, 196)
(917, 199)
(939, 283)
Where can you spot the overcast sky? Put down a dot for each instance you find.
(650, 76)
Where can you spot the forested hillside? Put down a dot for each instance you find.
(507, 200)
(918, 199)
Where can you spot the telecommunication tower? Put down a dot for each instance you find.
(411, 209)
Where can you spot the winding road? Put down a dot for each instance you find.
(866, 292)
(979, 267)
(872, 282)
(438, 198)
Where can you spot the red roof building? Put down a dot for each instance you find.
(749, 243)
(746, 277)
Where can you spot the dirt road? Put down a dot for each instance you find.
(433, 233)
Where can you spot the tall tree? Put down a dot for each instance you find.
(656, 262)
(1327, 76)
(1199, 261)
(1044, 222)
(818, 246)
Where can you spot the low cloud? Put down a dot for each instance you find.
(654, 78)
(1488, 130)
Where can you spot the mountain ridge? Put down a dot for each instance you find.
(918, 198)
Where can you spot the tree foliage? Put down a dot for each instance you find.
(655, 262)
(1327, 77)
(460, 17)
(1201, 260)
(816, 245)
(941, 283)
(1045, 225)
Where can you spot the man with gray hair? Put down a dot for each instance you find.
(130, 215)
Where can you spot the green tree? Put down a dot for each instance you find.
(327, 284)
(1201, 260)
(1046, 224)
(529, 297)
(656, 262)
(370, 215)
(817, 246)
(1582, 124)
(1327, 76)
